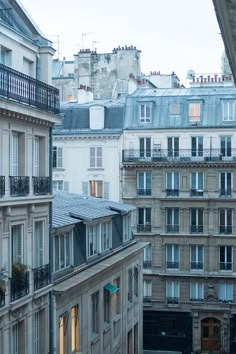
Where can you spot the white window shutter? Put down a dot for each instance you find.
(66, 186)
(85, 188)
(106, 190)
(15, 154)
(59, 157)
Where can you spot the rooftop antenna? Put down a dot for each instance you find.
(82, 37)
(57, 42)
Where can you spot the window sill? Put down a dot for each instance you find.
(58, 169)
(96, 169)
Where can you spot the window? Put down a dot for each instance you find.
(116, 296)
(106, 235)
(194, 111)
(172, 256)
(95, 312)
(172, 184)
(225, 183)
(5, 56)
(144, 219)
(225, 221)
(96, 189)
(39, 157)
(196, 220)
(145, 112)
(106, 305)
(225, 292)
(127, 235)
(174, 108)
(39, 332)
(36, 333)
(63, 334)
(75, 336)
(228, 110)
(57, 157)
(38, 243)
(147, 291)
(95, 156)
(58, 186)
(36, 156)
(196, 291)
(136, 339)
(196, 257)
(15, 155)
(18, 337)
(144, 183)
(17, 244)
(92, 237)
(136, 272)
(172, 292)
(145, 147)
(28, 66)
(147, 259)
(226, 258)
(197, 146)
(225, 146)
(130, 342)
(130, 285)
(62, 251)
(197, 184)
(172, 219)
(173, 146)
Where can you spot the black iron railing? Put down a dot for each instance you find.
(25, 89)
(147, 299)
(172, 300)
(172, 228)
(2, 185)
(196, 229)
(196, 265)
(172, 192)
(196, 299)
(181, 155)
(146, 191)
(41, 277)
(226, 192)
(41, 185)
(19, 185)
(225, 266)
(19, 286)
(196, 192)
(225, 229)
(172, 264)
(147, 264)
(144, 228)
(2, 298)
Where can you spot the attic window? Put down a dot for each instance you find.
(195, 111)
(145, 112)
(228, 110)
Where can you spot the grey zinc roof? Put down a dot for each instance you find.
(70, 208)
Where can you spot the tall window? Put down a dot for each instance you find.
(226, 258)
(173, 146)
(172, 292)
(105, 235)
(17, 244)
(144, 183)
(57, 157)
(172, 184)
(130, 342)
(225, 183)
(106, 305)
(96, 189)
(92, 236)
(36, 334)
(95, 156)
(75, 329)
(144, 219)
(116, 296)
(225, 146)
(39, 243)
(147, 260)
(225, 292)
(196, 257)
(15, 154)
(172, 219)
(194, 111)
(225, 221)
(196, 291)
(196, 220)
(58, 185)
(62, 251)
(228, 110)
(197, 146)
(95, 312)
(63, 334)
(127, 235)
(5, 56)
(145, 112)
(172, 256)
(130, 285)
(36, 156)
(147, 290)
(145, 147)
(18, 337)
(197, 184)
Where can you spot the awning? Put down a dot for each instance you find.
(111, 288)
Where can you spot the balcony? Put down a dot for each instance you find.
(172, 192)
(196, 265)
(172, 264)
(225, 266)
(225, 192)
(41, 277)
(147, 299)
(41, 185)
(196, 193)
(181, 155)
(172, 300)
(146, 191)
(2, 185)
(225, 229)
(2, 298)
(172, 228)
(19, 286)
(27, 90)
(19, 185)
(147, 264)
(144, 228)
(196, 229)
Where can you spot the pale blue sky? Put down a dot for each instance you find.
(173, 35)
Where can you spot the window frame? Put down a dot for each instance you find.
(196, 257)
(172, 257)
(145, 112)
(95, 312)
(173, 215)
(63, 251)
(196, 291)
(146, 183)
(225, 258)
(172, 181)
(173, 296)
(57, 157)
(196, 108)
(223, 288)
(96, 157)
(228, 105)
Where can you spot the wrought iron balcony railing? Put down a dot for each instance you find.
(19, 185)
(196, 192)
(196, 265)
(147, 264)
(225, 229)
(181, 155)
(146, 191)
(196, 229)
(196, 299)
(226, 266)
(144, 228)
(2, 185)
(172, 300)
(27, 90)
(147, 299)
(226, 192)
(19, 286)
(41, 277)
(172, 228)
(172, 192)
(41, 185)
(2, 298)
(172, 264)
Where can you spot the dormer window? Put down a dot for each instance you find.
(96, 117)
(99, 238)
(145, 112)
(228, 110)
(195, 111)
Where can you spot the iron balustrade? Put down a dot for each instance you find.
(2, 185)
(172, 228)
(41, 277)
(197, 299)
(226, 192)
(27, 90)
(19, 286)
(2, 298)
(146, 191)
(196, 265)
(147, 299)
(172, 264)
(181, 155)
(19, 185)
(196, 229)
(225, 229)
(144, 228)
(172, 300)
(196, 193)
(41, 185)
(225, 265)
(147, 264)
(172, 192)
